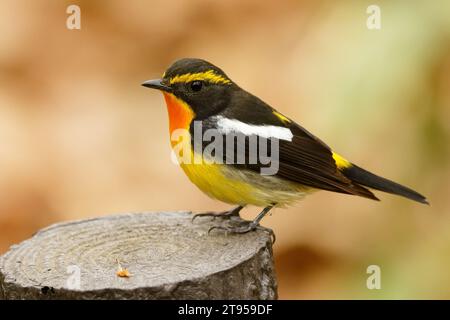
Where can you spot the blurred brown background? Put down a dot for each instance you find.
(79, 136)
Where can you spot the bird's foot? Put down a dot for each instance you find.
(223, 215)
(244, 227)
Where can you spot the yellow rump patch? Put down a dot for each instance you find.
(281, 117)
(208, 76)
(341, 162)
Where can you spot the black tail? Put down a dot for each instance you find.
(365, 178)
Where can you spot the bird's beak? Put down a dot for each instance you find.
(156, 84)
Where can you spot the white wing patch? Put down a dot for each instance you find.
(225, 126)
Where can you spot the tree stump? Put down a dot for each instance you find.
(167, 257)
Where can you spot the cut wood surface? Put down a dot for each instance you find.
(161, 255)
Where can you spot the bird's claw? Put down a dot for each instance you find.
(251, 226)
(205, 214)
(214, 215)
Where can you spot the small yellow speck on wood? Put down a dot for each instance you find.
(122, 272)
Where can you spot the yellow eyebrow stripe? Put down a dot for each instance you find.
(207, 76)
(341, 162)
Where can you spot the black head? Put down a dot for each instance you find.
(202, 85)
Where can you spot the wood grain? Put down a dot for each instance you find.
(167, 255)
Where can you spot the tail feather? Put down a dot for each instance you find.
(370, 180)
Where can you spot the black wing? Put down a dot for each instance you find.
(305, 159)
(308, 161)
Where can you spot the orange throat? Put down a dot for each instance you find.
(180, 114)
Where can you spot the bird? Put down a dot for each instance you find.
(198, 93)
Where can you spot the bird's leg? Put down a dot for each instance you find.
(226, 214)
(248, 226)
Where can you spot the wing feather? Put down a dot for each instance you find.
(304, 159)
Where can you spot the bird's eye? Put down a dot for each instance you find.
(196, 85)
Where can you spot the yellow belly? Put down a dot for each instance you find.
(242, 187)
